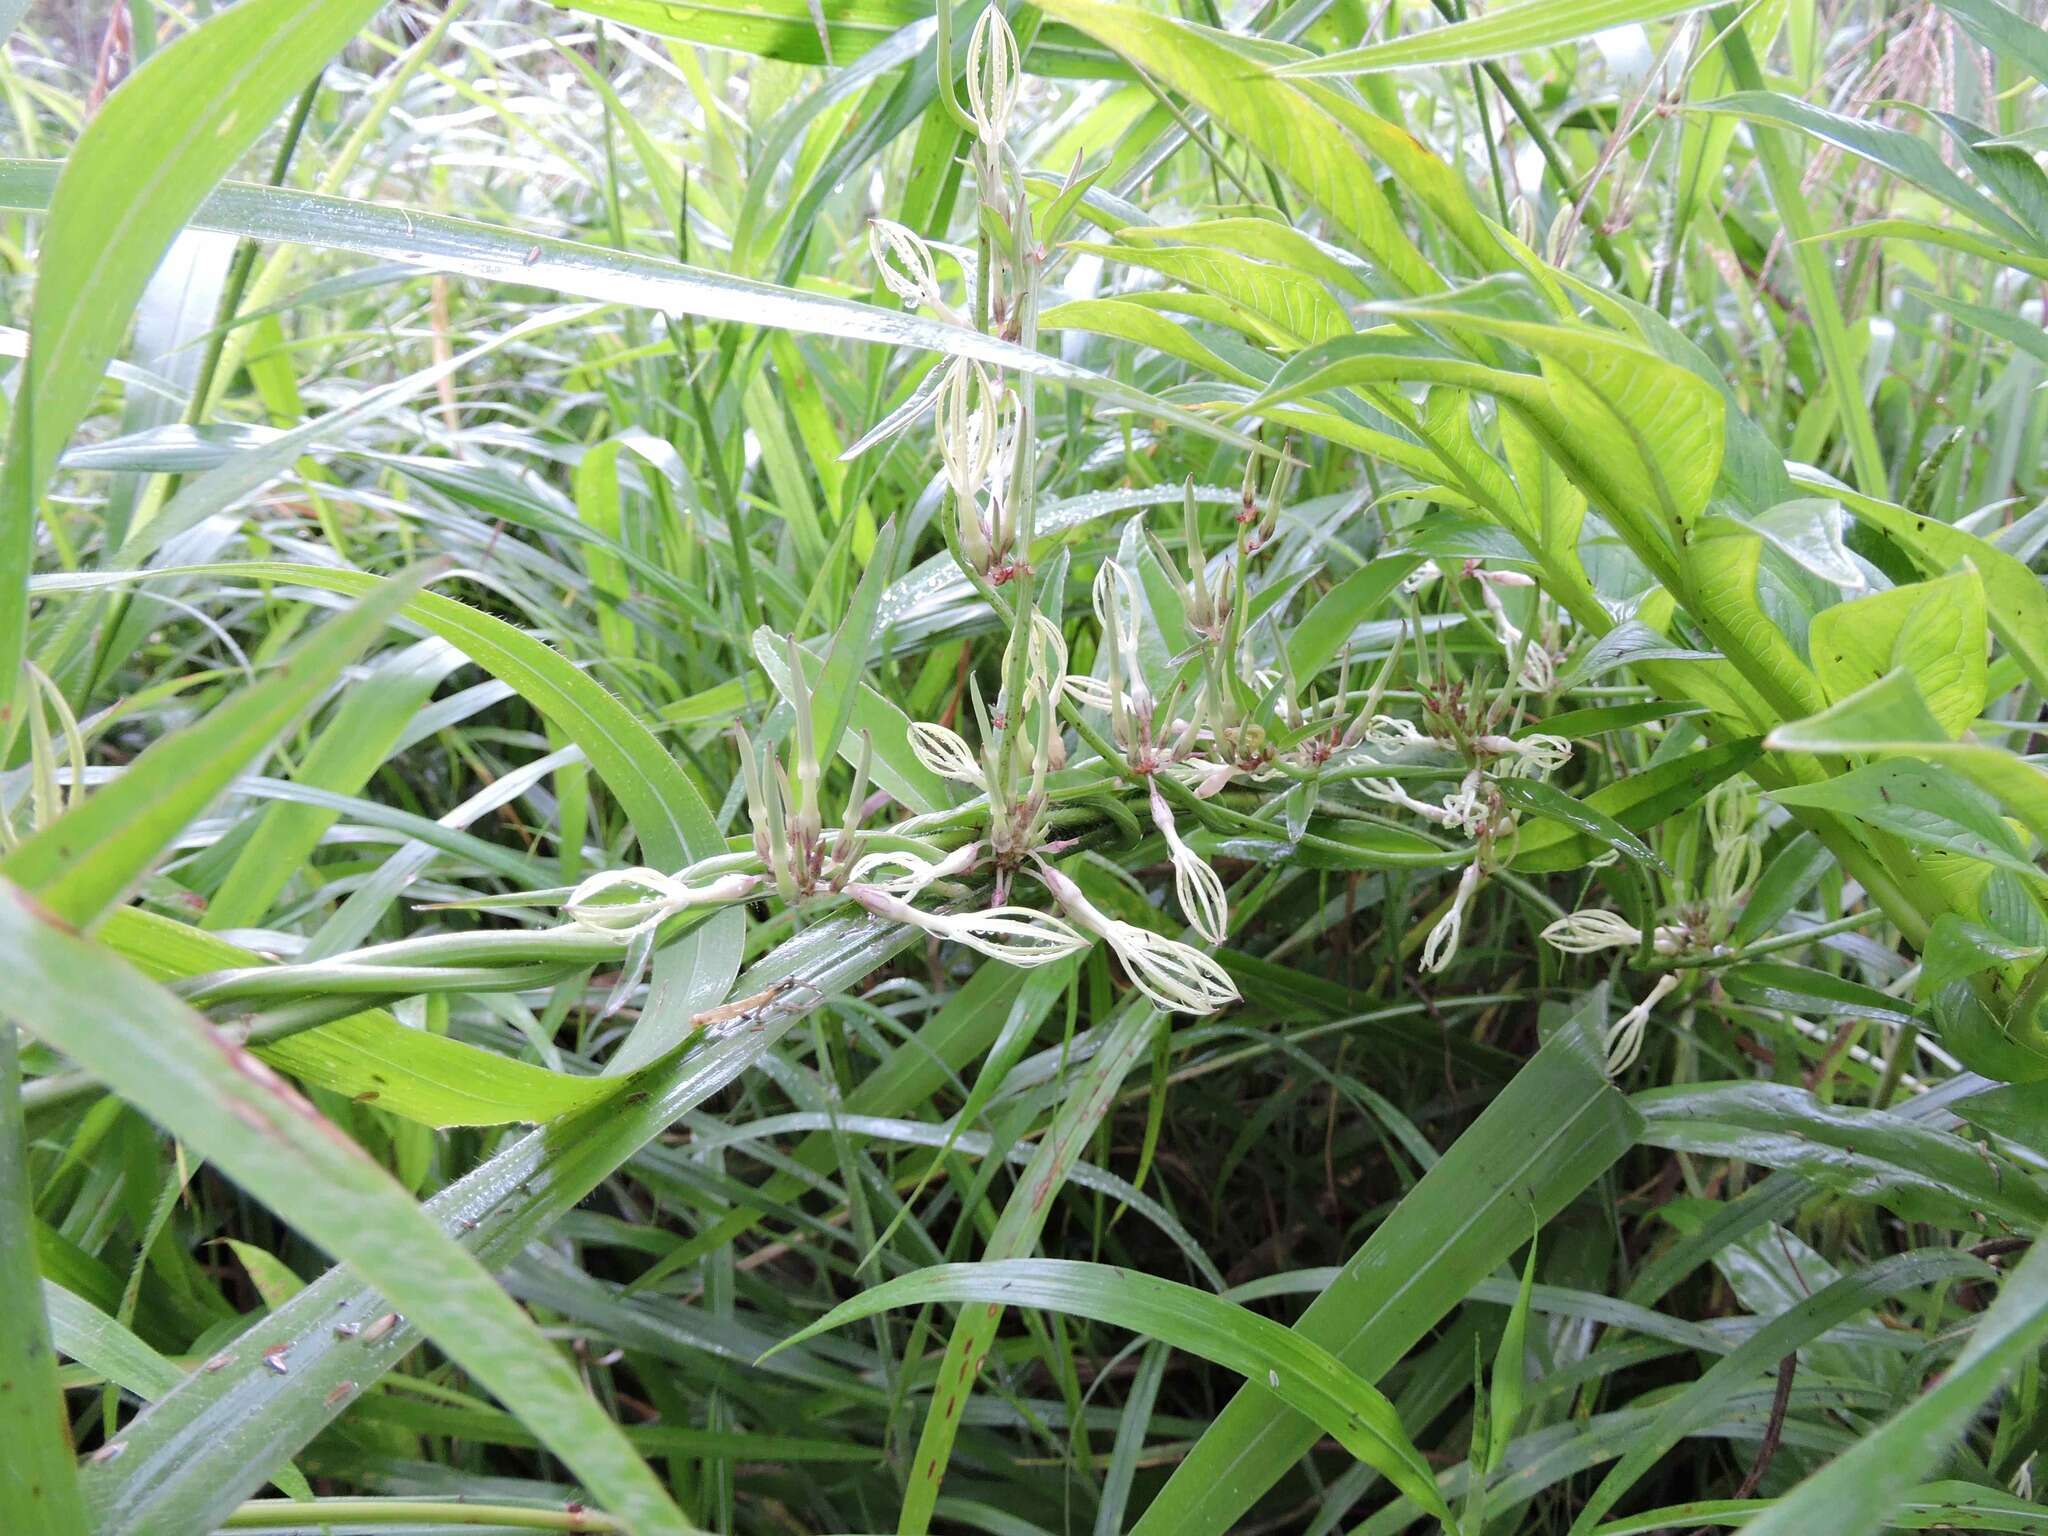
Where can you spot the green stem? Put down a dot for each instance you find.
(295, 1514)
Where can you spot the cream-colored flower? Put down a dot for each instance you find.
(945, 753)
(1441, 947)
(1197, 887)
(993, 75)
(1020, 936)
(1175, 976)
(1625, 1035)
(662, 897)
(904, 259)
(1590, 930)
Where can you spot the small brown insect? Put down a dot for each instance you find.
(380, 1327)
(346, 1330)
(111, 1451)
(340, 1392)
(739, 1008)
(274, 1357)
(533, 255)
(217, 1362)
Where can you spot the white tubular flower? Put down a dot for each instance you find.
(968, 427)
(1625, 1035)
(1091, 693)
(1018, 936)
(905, 263)
(1175, 976)
(917, 872)
(992, 77)
(1441, 947)
(945, 753)
(1390, 734)
(1197, 887)
(1465, 807)
(1590, 930)
(1539, 670)
(1534, 757)
(665, 896)
(1391, 792)
(1048, 658)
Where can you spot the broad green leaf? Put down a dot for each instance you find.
(2003, 34)
(1641, 435)
(1509, 29)
(1329, 624)
(1545, 1137)
(369, 1056)
(1265, 240)
(2016, 606)
(1934, 632)
(1297, 306)
(1957, 948)
(88, 859)
(1271, 117)
(1144, 326)
(1301, 1373)
(1725, 565)
(140, 169)
(1890, 718)
(233, 1112)
(1924, 803)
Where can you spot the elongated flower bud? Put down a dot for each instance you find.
(1197, 887)
(968, 426)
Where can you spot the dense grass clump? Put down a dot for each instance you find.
(834, 766)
